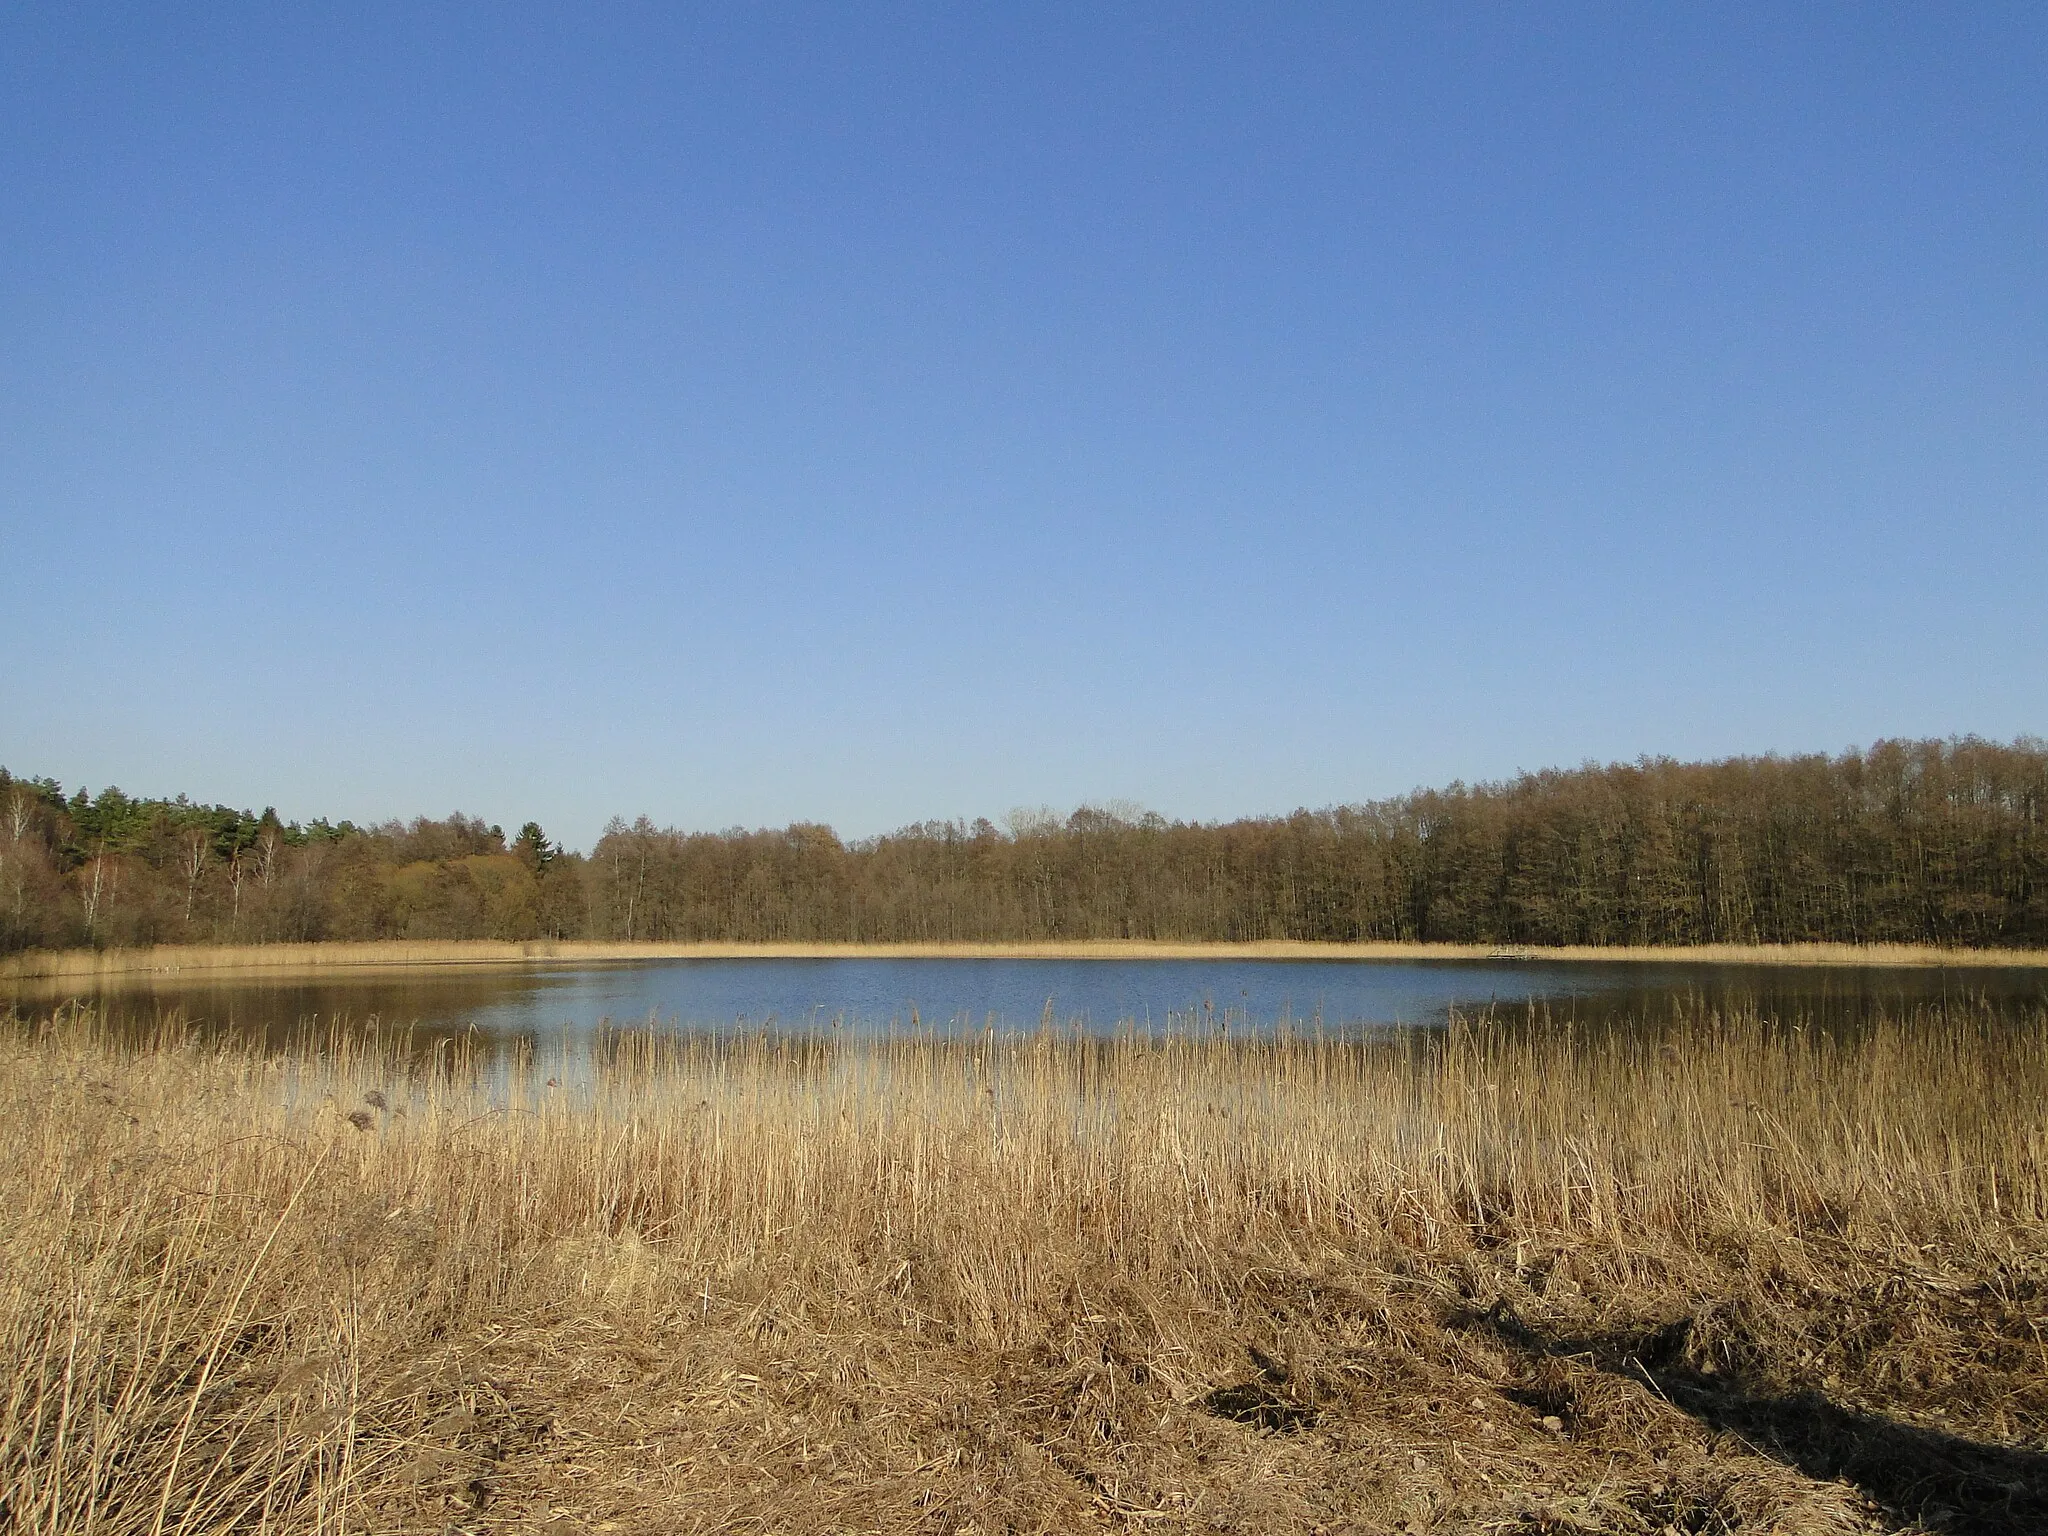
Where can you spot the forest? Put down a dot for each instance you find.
(1937, 842)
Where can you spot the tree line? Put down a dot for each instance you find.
(1909, 841)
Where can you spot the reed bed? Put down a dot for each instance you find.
(58, 969)
(1716, 1275)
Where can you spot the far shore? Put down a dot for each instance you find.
(48, 967)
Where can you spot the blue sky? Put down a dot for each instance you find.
(755, 413)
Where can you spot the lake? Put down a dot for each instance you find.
(871, 995)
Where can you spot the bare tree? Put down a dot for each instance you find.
(13, 857)
(640, 880)
(90, 879)
(197, 848)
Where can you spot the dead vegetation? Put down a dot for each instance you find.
(1717, 1275)
(50, 975)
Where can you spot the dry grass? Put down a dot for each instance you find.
(1715, 1277)
(56, 968)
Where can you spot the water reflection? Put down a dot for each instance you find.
(875, 996)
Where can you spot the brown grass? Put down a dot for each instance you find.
(1713, 1277)
(73, 965)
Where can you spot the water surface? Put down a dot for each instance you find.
(879, 995)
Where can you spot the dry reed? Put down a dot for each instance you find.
(60, 967)
(1713, 1276)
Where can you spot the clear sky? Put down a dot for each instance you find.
(741, 414)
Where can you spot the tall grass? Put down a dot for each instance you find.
(58, 968)
(1028, 1282)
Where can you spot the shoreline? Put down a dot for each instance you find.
(315, 959)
